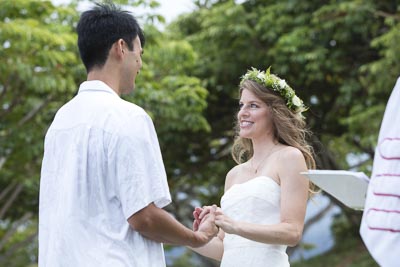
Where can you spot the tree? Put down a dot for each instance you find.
(39, 71)
(42, 72)
(339, 56)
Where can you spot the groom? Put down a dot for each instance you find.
(103, 183)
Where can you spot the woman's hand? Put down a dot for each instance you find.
(225, 223)
(196, 221)
(200, 214)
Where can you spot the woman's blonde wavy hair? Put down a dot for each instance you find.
(289, 127)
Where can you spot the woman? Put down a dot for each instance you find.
(264, 205)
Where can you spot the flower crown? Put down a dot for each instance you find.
(268, 80)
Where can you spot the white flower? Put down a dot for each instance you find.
(276, 84)
(282, 84)
(296, 101)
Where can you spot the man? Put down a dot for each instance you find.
(103, 183)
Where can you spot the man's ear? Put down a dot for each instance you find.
(118, 48)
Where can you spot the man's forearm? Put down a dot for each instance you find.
(158, 225)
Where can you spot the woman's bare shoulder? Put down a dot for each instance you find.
(291, 153)
(293, 157)
(232, 175)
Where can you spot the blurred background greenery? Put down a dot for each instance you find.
(341, 57)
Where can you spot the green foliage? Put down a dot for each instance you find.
(351, 253)
(343, 72)
(42, 71)
(39, 70)
(340, 56)
(40, 66)
(342, 228)
(19, 244)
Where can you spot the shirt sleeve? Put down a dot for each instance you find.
(139, 168)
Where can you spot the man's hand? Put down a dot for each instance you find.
(205, 224)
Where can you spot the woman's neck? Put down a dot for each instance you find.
(263, 147)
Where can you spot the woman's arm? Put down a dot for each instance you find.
(214, 249)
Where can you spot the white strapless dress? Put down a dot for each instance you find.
(255, 201)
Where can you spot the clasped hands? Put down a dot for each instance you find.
(212, 214)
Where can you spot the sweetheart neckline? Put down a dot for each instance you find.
(252, 179)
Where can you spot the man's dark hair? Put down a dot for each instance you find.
(99, 28)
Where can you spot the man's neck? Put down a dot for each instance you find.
(108, 77)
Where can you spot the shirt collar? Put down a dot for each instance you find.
(96, 85)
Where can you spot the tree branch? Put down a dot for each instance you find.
(318, 216)
(359, 164)
(13, 77)
(14, 228)
(17, 246)
(12, 198)
(323, 157)
(5, 88)
(15, 100)
(2, 161)
(34, 111)
(384, 14)
(6, 190)
(367, 150)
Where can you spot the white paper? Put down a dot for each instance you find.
(348, 187)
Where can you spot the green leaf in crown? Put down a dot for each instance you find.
(273, 82)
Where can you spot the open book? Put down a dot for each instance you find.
(348, 187)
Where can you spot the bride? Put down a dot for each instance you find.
(264, 204)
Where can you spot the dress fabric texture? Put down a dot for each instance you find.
(255, 201)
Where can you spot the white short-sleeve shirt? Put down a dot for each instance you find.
(102, 163)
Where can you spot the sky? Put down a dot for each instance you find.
(169, 9)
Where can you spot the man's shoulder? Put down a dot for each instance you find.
(129, 119)
(112, 114)
(131, 108)
(128, 112)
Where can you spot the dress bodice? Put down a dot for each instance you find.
(255, 201)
